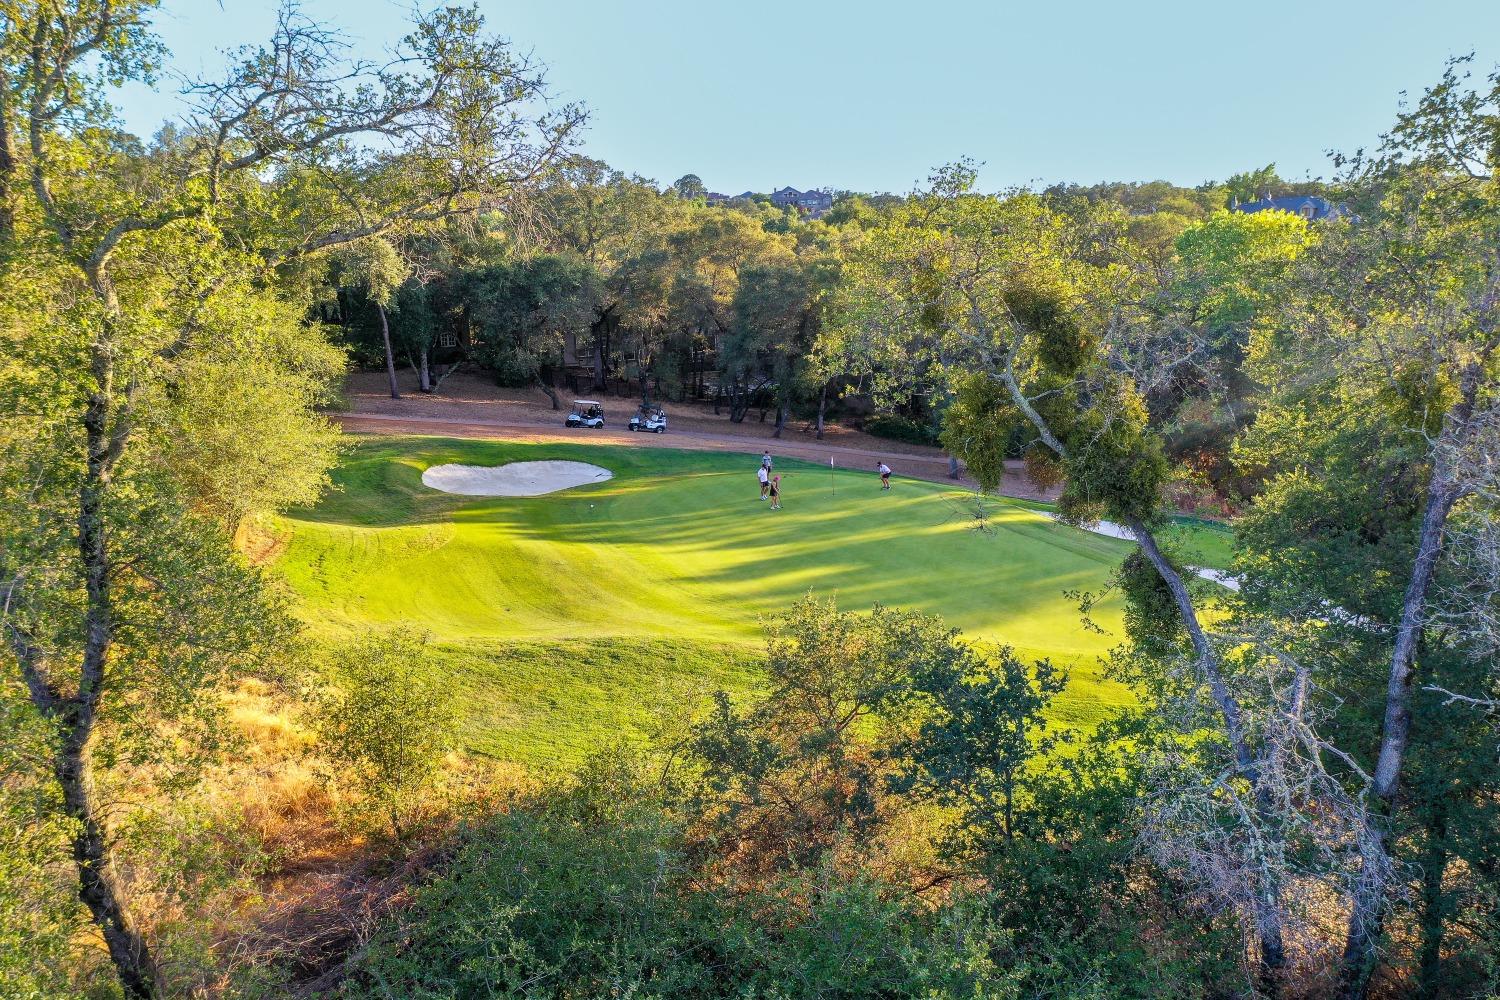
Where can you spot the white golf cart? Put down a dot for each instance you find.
(649, 418)
(586, 413)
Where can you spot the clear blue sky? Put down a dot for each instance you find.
(871, 95)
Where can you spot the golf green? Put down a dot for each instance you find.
(570, 620)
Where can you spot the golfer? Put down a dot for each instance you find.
(765, 460)
(765, 481)
(775, 492)
(885, 475)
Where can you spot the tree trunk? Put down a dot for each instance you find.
(541, 383)
(739, 404)
(1367, 914)
(1267, 906)
(437, 383)
(822, 408)
(9, 166)
(133, 961)
(782, 412)
(390, 357)
(952, 466)
(424, 372)
(1432, 912)
(599, 348)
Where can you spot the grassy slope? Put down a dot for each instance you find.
(563, 619)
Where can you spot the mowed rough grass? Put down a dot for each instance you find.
(575, 619)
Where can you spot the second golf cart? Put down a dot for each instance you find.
(586, 413)
(649, 418)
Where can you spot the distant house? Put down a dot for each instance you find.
(1309, 206)
(813, 203)
(810, 203)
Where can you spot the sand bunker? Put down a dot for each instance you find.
(518, 479)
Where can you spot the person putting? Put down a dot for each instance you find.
(775, 492)
(885, 475)
(764, 475)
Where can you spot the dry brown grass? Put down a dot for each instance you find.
(326, 882)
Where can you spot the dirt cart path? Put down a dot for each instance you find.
(932, 467)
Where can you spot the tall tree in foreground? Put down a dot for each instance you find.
(147, 278)
(1395, 316)
(1053, 335)
(1409, 301)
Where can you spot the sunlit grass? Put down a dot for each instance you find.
(567, 620)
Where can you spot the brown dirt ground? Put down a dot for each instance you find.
(472, 406)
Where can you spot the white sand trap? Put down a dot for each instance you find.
(518, 479)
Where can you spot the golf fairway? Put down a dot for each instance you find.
(571, 620)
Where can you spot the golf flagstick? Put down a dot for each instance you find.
(833, 488)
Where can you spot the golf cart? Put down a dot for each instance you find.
(649, 418)
(586, 413)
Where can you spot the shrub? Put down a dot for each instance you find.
(387, 724)
(898, 428)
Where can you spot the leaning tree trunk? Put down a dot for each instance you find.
(76, 713)
(1266, 907)
(390, 357)
(541, 383)
(133, 961)
(1367, 913)
(9, 165)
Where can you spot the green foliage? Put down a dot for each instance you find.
(1115, 465)
(1064, 346)
(975, 746)
(522, 309)
(798, 770)
(978, 427)
(38, 914)
(386, 723)
(1229, 265)
(1252, 185)
(899, 428)
(576, 894)
(586, 890)
(1152, 619)
(613, 883)
(374, 267)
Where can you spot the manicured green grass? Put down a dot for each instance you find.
(566, 621)
(1206, 544)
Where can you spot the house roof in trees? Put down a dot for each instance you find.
(1309, 206)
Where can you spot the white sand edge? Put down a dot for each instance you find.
(1112, 530)
(515, 479)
